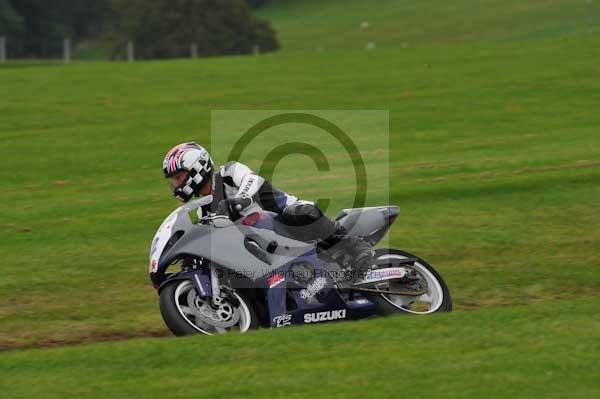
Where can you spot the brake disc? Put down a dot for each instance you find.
(225, 315)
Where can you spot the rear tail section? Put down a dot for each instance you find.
(370, 224)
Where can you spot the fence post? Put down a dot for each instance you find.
(66, 50)
(2, 49)
(130, 52)
(256, 49)
(194, 50)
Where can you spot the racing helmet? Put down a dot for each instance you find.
(195, 160)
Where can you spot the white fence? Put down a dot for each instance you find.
(129, 50)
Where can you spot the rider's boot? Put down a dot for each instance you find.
(360, 251)
(362, 254)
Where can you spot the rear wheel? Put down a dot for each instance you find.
(185, 312)
(435, 299)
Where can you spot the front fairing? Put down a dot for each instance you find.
(222, 242)
(180, 218)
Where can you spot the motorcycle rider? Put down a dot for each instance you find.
(235, 189)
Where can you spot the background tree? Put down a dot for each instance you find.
(159, 28)
(11, 26)
(87, 18)
(11, 23)
(166, 28)
(43, 25)
(257, 3)
(36, 28)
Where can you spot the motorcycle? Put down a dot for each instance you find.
(235, 276)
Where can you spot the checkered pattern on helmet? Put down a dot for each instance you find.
(198, 172)
(174, 160)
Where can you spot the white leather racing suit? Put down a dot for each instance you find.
(239, 181)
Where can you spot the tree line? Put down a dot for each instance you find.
(159, 28)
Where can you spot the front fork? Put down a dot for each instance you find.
(214, 283)
(221, 292)
(207, 284)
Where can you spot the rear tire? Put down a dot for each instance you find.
(395, 304)
(181, 323)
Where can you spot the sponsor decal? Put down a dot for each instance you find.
(154, 247)
(275, 280)
(385, 274)
(199, 285)
(325, 316)
(244, 192)
(282, 320)
(313, 288)
(153, 266)
(248, 185)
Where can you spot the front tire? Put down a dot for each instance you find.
(180, 306)
(436, 299)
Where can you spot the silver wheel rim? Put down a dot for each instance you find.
(434, 296)
(181, 294)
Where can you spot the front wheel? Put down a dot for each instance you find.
(185, 312)
(435, 299)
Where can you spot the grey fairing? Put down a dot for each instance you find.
(225, 247)
(370, 224)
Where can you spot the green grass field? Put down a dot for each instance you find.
(316, 25)
(494, 160)
(542, 350)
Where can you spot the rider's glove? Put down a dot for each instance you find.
(233, 206)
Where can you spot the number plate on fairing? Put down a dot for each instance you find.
(160, 240)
